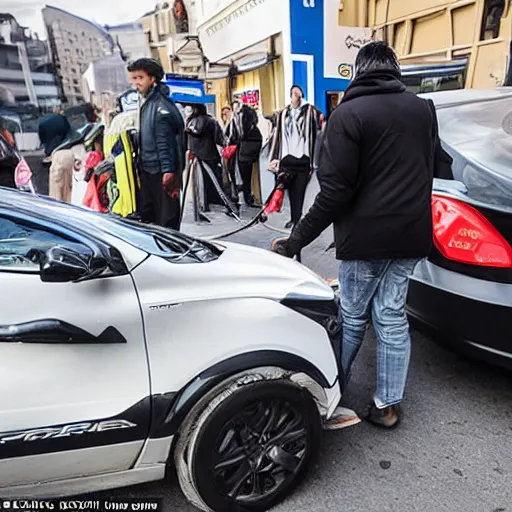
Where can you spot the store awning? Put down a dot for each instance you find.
(249, 59)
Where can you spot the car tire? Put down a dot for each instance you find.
(262, 435)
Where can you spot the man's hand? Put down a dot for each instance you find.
(168, 180)
(273, 166)
(289, 247)
(169, 183)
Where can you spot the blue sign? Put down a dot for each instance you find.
(188, 90)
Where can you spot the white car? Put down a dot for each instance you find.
(125, 347)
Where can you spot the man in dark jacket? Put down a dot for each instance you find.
(376, 173)
(161, 157)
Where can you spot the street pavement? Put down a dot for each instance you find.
(452, 452)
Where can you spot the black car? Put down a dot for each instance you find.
(463, 293)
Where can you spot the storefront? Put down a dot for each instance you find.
(245, 46)
(323, 52)
(258, 48)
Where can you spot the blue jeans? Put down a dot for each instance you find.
(378, 289)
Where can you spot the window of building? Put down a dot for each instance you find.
(493, 11)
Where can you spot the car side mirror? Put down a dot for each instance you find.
(62, 265)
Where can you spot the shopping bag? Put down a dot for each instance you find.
(228, 152)
(91, 199)
(22, 174)
(93, 159)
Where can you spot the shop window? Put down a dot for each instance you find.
(493, 11)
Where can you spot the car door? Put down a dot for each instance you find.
(74, 379)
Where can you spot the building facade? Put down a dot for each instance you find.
(74, 44)
(26, 76)
(258, 49)
(130, 40)
(171, 31)
(442, 44)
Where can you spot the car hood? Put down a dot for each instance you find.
(270, 274)
(239, 272)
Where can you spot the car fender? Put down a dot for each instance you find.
(258, 365)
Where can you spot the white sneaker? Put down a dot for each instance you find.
(342, 418)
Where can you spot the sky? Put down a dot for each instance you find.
(104, 12)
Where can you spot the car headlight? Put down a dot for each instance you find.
(323, 312)
(327, 314)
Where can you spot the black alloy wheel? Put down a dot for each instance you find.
(256, 447)
(259, 449)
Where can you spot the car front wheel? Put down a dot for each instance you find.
(252, 445)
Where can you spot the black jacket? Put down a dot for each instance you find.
(161, 147)
(251, 139)
(204, 134)
(53, 130)
(376, 173)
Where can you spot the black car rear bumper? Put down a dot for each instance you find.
(472, 315)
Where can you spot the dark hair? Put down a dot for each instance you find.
(297, 87)
(377, 56)
(151, 66)
(226, 108)
(199, 110)
(249, 117)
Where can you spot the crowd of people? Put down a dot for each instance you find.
(375, 159)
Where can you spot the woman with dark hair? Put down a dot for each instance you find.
(293, 148)
(204, 135)
(249, 149)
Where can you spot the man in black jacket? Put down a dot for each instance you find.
(161, 157)
(376, 173)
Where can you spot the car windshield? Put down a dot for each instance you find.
(163, 242)
(171, 245)
(478, 136)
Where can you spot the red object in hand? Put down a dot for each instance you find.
(229, 152)
(276, 202)
(92, 159)
(168, 180)
(170, 184)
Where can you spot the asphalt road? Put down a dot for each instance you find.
(452, 452)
